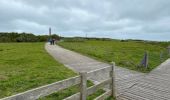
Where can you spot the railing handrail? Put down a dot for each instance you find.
(45, 90)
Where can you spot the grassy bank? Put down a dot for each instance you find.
(125, 53)
(24, 66)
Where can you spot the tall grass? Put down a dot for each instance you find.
(126, 54)
(24, 66)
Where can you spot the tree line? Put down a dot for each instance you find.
(24, 37)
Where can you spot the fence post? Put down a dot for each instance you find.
(147, 60)
(112, 75)
(161, 56)
(83, 86)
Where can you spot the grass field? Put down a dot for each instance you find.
(27, 65)
(24, 66)
(126, 54)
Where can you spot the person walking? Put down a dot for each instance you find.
(53, 41)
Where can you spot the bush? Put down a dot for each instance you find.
(24, 37)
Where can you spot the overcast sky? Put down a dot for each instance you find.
(123, 19)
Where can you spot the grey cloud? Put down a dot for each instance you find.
(141, 19)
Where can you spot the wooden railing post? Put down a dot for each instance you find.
(112, 75)
(161, 56)
(145, 60)
(83, 86)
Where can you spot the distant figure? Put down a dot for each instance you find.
(50, 40)
(53, 41)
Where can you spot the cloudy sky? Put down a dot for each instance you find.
(122, 19)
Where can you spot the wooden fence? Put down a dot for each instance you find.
(80, 79)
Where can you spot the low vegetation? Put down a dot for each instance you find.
(27, 65)
(24, 37)
(24, 66)
(126, 53)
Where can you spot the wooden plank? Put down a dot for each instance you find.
(104, 96)
(45, 90)
(150, 90)
(130, 96)
(155, 88)
(90, 90)
(154, 84)
(73, 97)
(99, 71)
(147, 93)
(158, 90)
(153, 80)
(157, 84)
(94, 88)
(163, 74)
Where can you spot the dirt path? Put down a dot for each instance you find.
(130, 85)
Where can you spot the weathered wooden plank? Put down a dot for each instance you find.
(161, 73)
(99, 71)
(153, 80)
(160, 77)
(131, 96)
(94, 88)
(147, 93)
(155, 87)
(73, 97)
(90, 90)
(131, 79)
(45, 90)
(157, 84)
(104, 96)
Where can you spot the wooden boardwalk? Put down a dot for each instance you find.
(154, 86)
(130, 85)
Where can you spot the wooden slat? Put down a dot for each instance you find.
(99, 71)
(45, 90)
(130, 96)
(104, 96)
(94, 88)
(90, 90)
(149, 94)
(73, 97)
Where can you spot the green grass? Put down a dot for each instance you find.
(24, 66)
(27, 65)
(126, 54)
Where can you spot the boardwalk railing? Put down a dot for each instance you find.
(80, 79)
